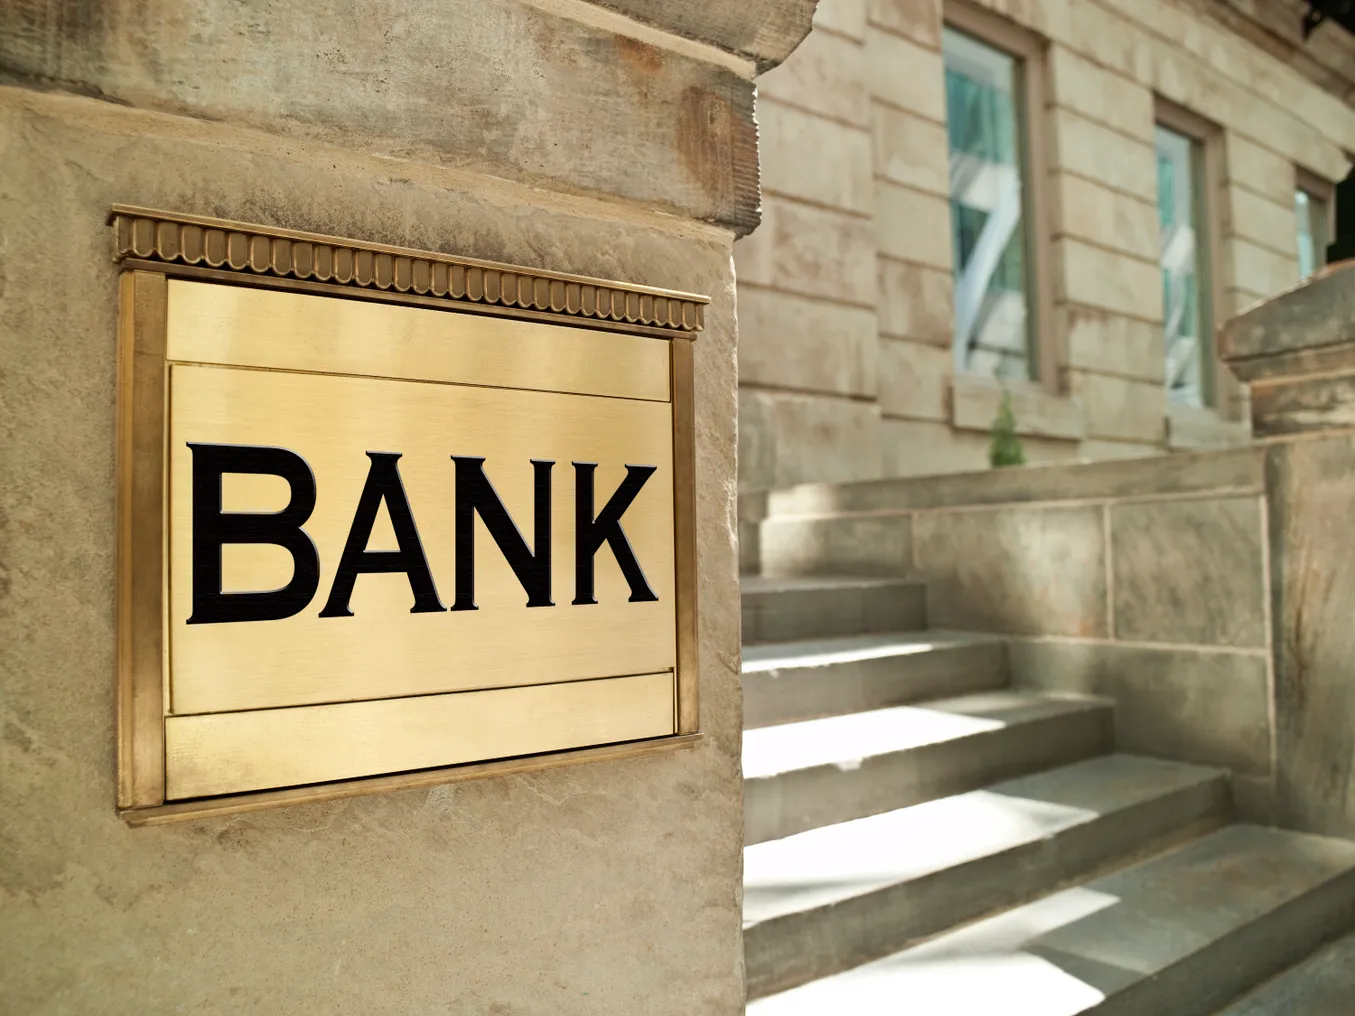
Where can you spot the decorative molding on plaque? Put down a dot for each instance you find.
(173, 238)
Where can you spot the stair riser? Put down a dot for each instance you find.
(792, 802)
(783, 615)
(1236, 963)
(804, 693)
(785, 952)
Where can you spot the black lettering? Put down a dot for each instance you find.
(383, 484)
(474, 493)
(213, 529)
(591, 533)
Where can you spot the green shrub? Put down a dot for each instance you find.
(1006, 447)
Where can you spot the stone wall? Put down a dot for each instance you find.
(846, 369)
(551, 134)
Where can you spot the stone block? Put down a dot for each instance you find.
(1259, 269)
(917, 20)
(1297, 404)
(1196, 428)
(1088, 149)
(792, 438)
(1286, 335)
(1107, 97)
(1313, 561)
(1206, 707)
(975, 403)
(1269, 223)
(914, 380)
(1017, 570)
(816, 251)
(846, 17)
(1121, 409)
(1189, 572)
(512, 89)
(787, 341)
(905, 74)
(823, 76)
(925, 448)
(1258, 169)
(879, 545)
(1084, 210)
(1106, 343)
(912, 226)
(838, 175)
(1090, 450)
(910, 150)
(1096, 277)
(916, 302)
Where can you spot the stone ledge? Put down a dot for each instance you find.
(974, 404)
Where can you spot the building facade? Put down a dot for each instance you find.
(1060, 200)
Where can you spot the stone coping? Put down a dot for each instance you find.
(1227, 470)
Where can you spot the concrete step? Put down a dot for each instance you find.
(783, 609)
(1322, 985)
(804, 775)
(831, 899)
(1177, 935)
(788, 681)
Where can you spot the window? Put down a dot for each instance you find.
(1312, 212)
(988, 92)
(1182, 254)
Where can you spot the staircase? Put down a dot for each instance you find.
(923, 839)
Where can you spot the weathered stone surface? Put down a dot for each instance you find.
(1084, 210)
(1095, 277)
(975, 403)
(1111, 99)
(1294, 405)
(1194, 428)
(1120, 408)
(816, 251)
(1258, 168)
(847, 17)
(1312, 488)
(916, 302)
(824, 76)
(845, 545)
(1261, 220)
(1210, 708)
(915, 380)
(788, 438)
(905, 75)
(1092, 150)
(907, 223)
(1107, 343)
(548, 894)
(1024, 570)
(927, 448)
(789, 342)
(1258, 268)
(495, 85)
(1189, 571)
(1321, 312)
(766, 31)
(910, 150)
(918, 20)
(839, 174)
(1234, 471)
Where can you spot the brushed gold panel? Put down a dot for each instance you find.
(229, 753)
(384, 650)
(246, 327)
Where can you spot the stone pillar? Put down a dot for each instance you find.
(615, 141)
(1298, 353)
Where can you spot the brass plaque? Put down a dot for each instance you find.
(392, 538)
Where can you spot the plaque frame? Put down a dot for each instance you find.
(152, 246)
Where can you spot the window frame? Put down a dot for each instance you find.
(1207, 137)
(1030, 51)
(1320, 189)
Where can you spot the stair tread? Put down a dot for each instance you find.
(1070, 951)
(763, 584)
(1322, 985)
(831, 650)
(824, 866)
(846, 740)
